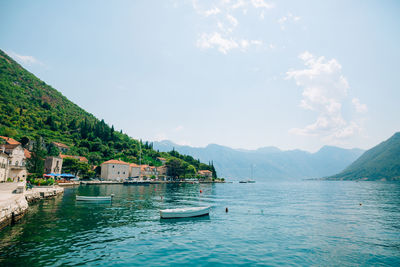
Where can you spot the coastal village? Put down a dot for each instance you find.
(13, 157)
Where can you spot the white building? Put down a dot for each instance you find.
(16, 161)
(115, 170)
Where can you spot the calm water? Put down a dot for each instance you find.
(302, 223)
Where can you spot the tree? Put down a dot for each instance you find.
(175, 169)
(53, 150)
(76, 167)
(35, 164)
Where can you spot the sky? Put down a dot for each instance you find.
(244, 74)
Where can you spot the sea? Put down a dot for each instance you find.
(302, 223)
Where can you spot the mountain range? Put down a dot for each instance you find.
(269, 163)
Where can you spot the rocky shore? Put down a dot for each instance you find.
(14, 200)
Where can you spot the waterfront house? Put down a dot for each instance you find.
(163, 160)
(53, 165)
(114, 170)
(148, 172)
(162, 172)
(3, 166)
(206, 174)
(10, 140)
(62, 147)
(16, 161)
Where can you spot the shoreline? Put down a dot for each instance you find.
(15, 202)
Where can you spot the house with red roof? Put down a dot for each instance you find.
(115, 170)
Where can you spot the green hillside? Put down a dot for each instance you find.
(381, 162)
(30, 108)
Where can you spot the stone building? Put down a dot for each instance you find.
(115, 170)
(205, 174)
(53, 165)
(16, 161)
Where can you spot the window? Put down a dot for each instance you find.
(118, 172)
(113, 166)
(124, 172)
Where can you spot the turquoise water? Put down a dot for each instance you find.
(301, 223)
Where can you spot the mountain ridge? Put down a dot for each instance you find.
(382, 162)
(271, 162)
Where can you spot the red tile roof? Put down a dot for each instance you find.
(113, 161)
(10, 141)
(134, 165)
(60, 145)
(83, 159)
(204, 171)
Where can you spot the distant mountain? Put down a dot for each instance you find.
(269, 162)
(381, 162)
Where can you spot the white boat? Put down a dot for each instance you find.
(185, 212)
(85, 198)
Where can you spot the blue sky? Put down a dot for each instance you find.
(245, 74)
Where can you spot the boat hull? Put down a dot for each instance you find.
(184, 212)
(84, 198)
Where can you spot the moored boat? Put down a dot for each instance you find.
(86, 198)
(184, 212)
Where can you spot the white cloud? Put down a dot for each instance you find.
(216, 40)
(213, 11)
(226, 14)
(360, 108)
(25, 60)
(262, 4)
(324, 92)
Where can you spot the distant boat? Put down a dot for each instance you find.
(184, 212)
(85, 198)
(250, 181)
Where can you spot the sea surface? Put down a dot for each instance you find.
(320, 223)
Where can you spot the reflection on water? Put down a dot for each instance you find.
(304, 223)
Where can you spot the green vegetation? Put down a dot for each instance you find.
(75, 167)
(31, 109)
(381, 162)
(35, 165)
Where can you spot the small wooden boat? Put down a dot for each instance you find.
(184, 212)
(85, 198)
